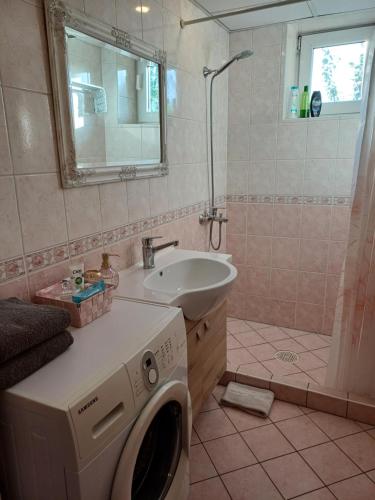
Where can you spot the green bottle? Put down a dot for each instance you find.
(304, 109)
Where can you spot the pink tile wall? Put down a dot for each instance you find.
(290, 280)
(289, 187)
(42, 226)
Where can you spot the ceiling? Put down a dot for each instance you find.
(305, 9)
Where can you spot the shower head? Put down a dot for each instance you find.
(241, 55)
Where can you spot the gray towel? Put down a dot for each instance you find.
(24, 325)
(28, 362)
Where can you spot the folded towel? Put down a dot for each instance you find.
(28, 362)
(24, 325)
(247, 398)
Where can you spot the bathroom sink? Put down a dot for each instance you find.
(197, 284)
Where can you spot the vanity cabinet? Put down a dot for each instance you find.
(207, 355)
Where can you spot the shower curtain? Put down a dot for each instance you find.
(351, 365)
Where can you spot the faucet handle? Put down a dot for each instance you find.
(147, 240)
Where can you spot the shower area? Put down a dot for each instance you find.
(289, 196)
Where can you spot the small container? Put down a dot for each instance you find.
(316, 103)
(107, 273)
(76, 275)
(293, 102)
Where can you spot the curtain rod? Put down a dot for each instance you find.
(256, 8)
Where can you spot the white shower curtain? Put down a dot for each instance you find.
(351, 365)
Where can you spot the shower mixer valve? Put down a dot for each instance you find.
(212, 215)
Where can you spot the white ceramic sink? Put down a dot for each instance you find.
(198, 284)
(195, 281)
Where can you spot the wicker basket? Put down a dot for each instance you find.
(81, 314)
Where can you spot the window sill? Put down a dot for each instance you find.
(344, 116)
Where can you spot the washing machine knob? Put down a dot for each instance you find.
(152, 376)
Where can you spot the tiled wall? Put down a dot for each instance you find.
(289, 187)
(43, 226)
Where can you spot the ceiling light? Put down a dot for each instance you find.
(143, 9)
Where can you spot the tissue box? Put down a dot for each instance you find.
(81, 314)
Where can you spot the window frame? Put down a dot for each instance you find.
(309, 42)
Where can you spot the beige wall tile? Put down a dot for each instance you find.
(113, 205)
(42, 213)
(23, 47)
(82, 211)
(10, 241)
(31, 132)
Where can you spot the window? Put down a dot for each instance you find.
(152, 88)
(334, 62)
(78, 99)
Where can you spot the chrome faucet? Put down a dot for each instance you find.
(149, 250)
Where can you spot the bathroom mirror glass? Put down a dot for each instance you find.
(109, 97)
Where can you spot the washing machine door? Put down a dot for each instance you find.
(154, 463)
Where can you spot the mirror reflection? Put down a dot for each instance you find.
(115, 104)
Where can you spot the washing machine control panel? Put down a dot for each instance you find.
(150, 369)
(156, 363)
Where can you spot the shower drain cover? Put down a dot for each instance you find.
(287, 356)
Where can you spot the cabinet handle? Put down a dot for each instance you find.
(206, 325)
(198, 334)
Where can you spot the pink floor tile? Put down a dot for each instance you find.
(293, 333)
(302, 432)
(201, 466)
(272, 333)
(360, 448)
(282, 411)
(237, 326)
(229, 453)
(292, 475)
(194, 437)
(256, 325)
(249, 338)
(312, 341)
(308, 361)
(210, 404)
(280, 368)
(267, 442)
(211, 489)
(323, 353)
(251, 482)
(299, 377)
(213, 424)
(263, 351)
(244, 421)
(237, 357)
(254, 370)
(319, 375)
(288, 345)
(321, 494)
(232, 342)
(356, 488)
(330, 463)
(371, 475)
(335, 427)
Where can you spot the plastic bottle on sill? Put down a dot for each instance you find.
(305, 103)
(293, 102)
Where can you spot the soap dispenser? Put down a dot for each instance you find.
(108, 274)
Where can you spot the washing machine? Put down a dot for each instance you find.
(109, 419)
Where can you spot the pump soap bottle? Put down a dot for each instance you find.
(107, 273)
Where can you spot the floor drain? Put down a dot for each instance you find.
(287, 356)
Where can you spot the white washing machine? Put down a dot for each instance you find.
(109, 419)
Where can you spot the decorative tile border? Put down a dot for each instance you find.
(290, 200)
(48, 257)
(10, 269)
(35, 261)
